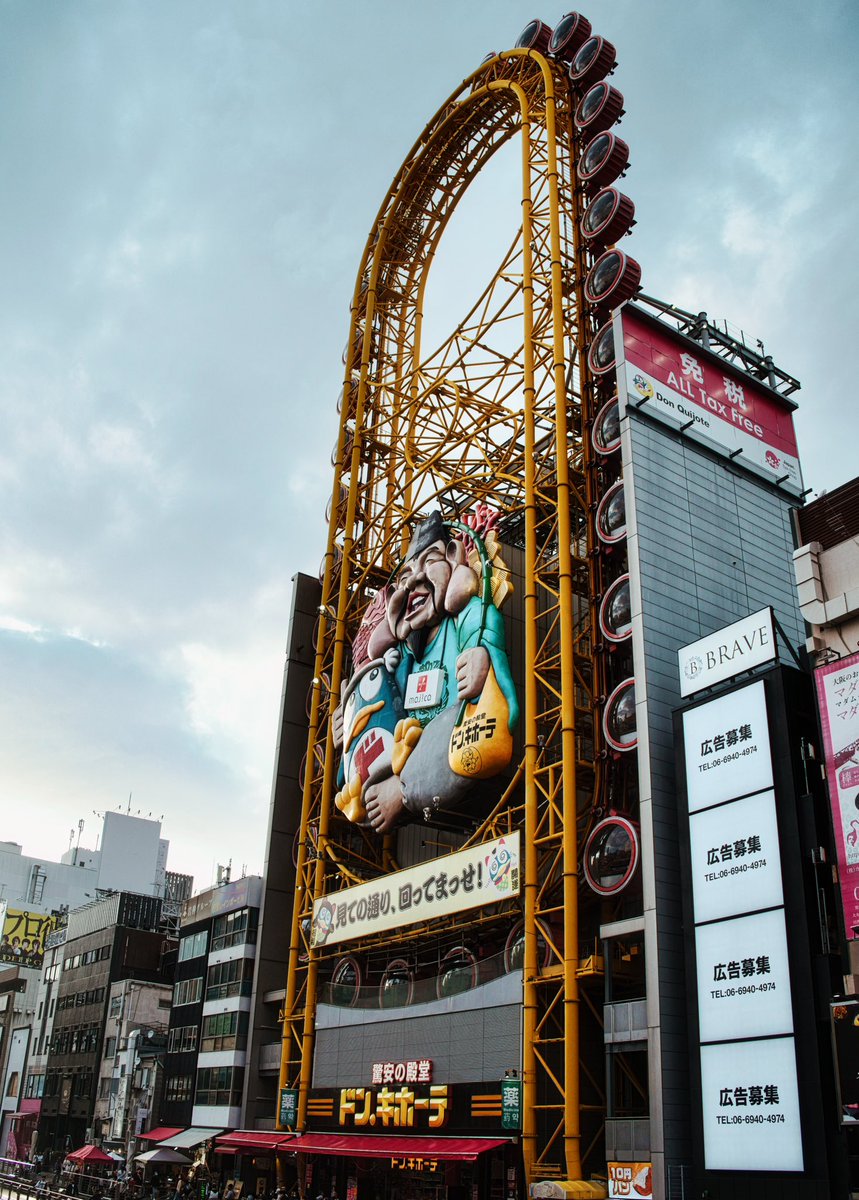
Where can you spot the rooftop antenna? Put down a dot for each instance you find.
(128, 809)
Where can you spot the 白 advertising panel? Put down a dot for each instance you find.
(838, 697)
(743, 977)
(24, 936)
(736, 865)
(747, 643)
(751, 1106)
(684, 386)
(483, 874)
(727, 748)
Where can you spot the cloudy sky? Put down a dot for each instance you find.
(187, 186)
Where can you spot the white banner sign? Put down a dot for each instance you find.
(736, 863)
(722, 655)
(727, 748)
(471, 878)
(743, 977)
(751, 1106)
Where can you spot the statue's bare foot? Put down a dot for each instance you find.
(384, 803)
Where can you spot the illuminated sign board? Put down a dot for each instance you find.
(743, 977)
(722, 655)
(483, 874)
(486, 1109)
(751, 1106)
(25, 934)
(736, 866)
(681, 385)
(838, 697)
(727, 748)
(749, 1087)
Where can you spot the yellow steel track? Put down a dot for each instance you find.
(496, 414)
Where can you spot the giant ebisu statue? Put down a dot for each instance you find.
(430, 706)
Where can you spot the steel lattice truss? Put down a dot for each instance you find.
(496, 414)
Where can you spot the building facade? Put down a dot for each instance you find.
(491, 987)
(210, 1019)
(119, 939)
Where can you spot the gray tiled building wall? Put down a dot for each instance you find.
(466, 1047)
(707, 545)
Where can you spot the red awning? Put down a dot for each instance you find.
(444, 1149)
(158, 1135)
(252, 1139)
(89, 1153)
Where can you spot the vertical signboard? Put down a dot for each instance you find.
(838, 697)
(749, 1088)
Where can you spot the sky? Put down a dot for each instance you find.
(187, 187)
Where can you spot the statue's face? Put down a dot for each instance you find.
(418, 599)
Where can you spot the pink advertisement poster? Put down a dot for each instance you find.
(683, 385)
(838, 696)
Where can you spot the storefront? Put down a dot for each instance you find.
(406, 1140)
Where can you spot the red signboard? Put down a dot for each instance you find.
(681, 384)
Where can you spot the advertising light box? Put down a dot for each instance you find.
(736, 863)
(482, 874)
(751, 1106)
(681, 385)
(727, 747)
(743, 977)
(727, 652)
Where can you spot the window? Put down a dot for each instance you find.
(234, 929)
(193, 946)
(104, 1087)
(115, 1006)
(220, 1086)
(182, 1039)
(178, 1087)
(232, 978)
(14, 1081)
(225, 1031)
(187, 991)
(35, 1086)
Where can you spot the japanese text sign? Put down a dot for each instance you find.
(683, 385)
(727, 748)
(471, 878)
(838, 696)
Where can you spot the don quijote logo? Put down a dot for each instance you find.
(773, 460)
(643, 386)
(693, 666)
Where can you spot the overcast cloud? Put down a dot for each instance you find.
(187, 188)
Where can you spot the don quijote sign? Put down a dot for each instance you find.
(749, 642)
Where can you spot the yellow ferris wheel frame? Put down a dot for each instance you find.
(497, 414)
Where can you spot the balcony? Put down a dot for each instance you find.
(269, 1057)
(625, 1021)
(627, 1139)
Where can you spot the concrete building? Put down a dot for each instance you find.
(210, 1018)
(118, 940)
